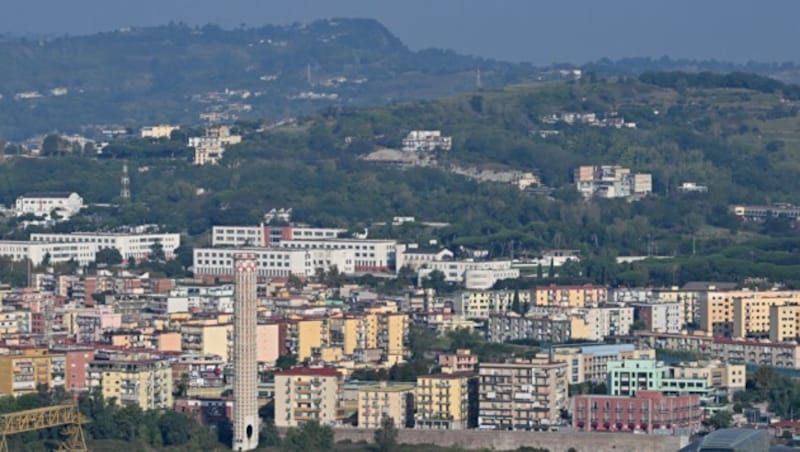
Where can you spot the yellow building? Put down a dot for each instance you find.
(207, 339)
(311, 335)
(784, 322)
(446, 401)
(395, 401)
(393, 334)
(686, 298)
(159, 131)
(23, 370)
(740, 313)
(480, 304)
(307, 394)
(144, 382)
(571, 296)
(13, 322)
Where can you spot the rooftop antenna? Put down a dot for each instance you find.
(125, 183)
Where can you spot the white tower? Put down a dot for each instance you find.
(245, 383)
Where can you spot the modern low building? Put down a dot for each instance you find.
(473, 274)
(740, 313)
(386, 400)
(273, 262)
(627, 377)
(590, 362)
(521, 395)
(265, 235)
(447, 401)
(368, 255)
(138, 246)
(51, 205)
(646, 412)
(307, 394)
(611, 181)
(39, 253)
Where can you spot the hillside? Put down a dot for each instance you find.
(173, 73)
(742, 143)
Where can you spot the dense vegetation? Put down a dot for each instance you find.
(138, 76)
(744, 144)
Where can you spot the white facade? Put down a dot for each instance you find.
(611, 181)
(426, 140)
(608, 321)
(473, 274)
(415, 258)
(137, 246)
(368, 255)
(480, 304)
(202, 298)
(81, 253)
(264, 235)
(665, 317)
(158, 132)
(272, 262)
(65, 205)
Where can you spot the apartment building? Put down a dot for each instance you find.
(63, 204)
(590, 362)
(646, 412)
(480, 304)
(629, 376)
(207, 338)
(158, 132)
(760, 352)
(209, 148)
(386, 400)
(368, 255)
(416, 257)
(130, 245)
(571, 296)
(447, 401)
(611, 181)
(740, 313)
(726, 379)
(271, 342)
(461, 361)
(24, 369)
(145, 382)
(426, 141)
(274, 262)
(607, 321)
(668, 317)
(307, 394)
(385, 335)
(784, 322)
(554, 329)
(521, 395)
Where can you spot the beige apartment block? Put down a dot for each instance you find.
(784, 322)
(521, 395)
(740, 313)
(307, 394)
(395, 401)
(571, 296)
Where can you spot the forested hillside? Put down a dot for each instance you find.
(140, 76)
(744, 144)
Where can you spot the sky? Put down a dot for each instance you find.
(537, 31)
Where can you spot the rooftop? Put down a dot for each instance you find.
(48, 194)
(390, 387)
(310, 372)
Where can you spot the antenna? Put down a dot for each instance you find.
(125, 183)
(478, 78)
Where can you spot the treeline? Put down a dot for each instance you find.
(742, 80)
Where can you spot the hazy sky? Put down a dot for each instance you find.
(522, 30)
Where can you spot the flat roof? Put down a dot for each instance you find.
(391, 387)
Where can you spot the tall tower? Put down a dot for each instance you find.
(245, 382)
(125, 184)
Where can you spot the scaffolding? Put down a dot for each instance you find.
(67, 416)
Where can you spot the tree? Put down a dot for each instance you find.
(638, 325)
(295, 282)
(286, 362)
(539, 273)
(551, 272)
(311, 436)
(108, 256)
(176, 428)
(157, 252)
(719, 420)
(515, 304)
(386, 435)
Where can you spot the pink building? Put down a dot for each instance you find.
(647, 412)
(270, 342)
(76, 362)
(461, 361)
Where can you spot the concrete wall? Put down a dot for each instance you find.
(555, 442)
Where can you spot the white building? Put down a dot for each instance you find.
(369, 255)
(159, 131)
(129, 245)
(274, 262)
(202, 298)
(209, 148)
(608, 321)
(692, 187)
(661, 317)
(480, 304)
(265, 235)
(611, 181)
(426, 140)
(82, 253)
(472, 274)
(63, 204)
(416, 257)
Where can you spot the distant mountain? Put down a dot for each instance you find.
(174, 73)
